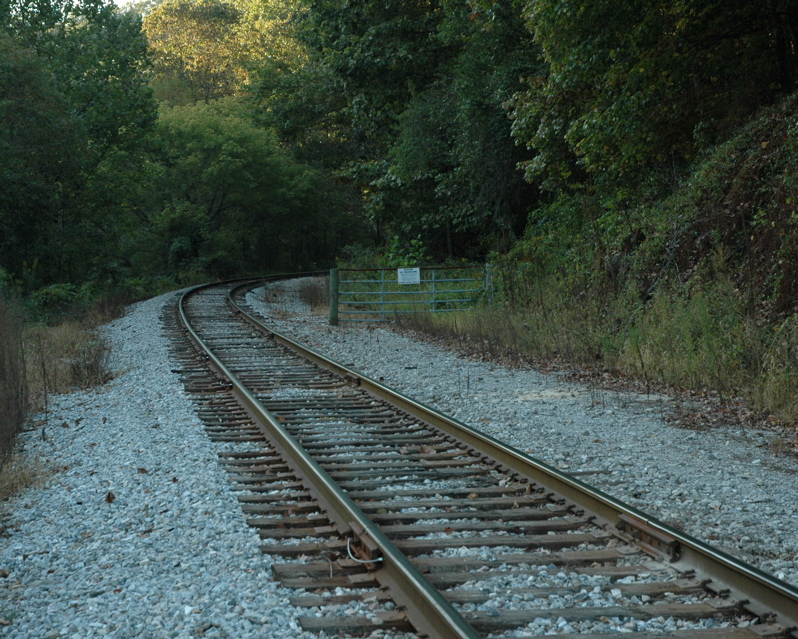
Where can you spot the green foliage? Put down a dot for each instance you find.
(196, 53)
(40, 154)
(608, 155)
(72, 94)
(401, 253)
(230, 200)
(432, 152)
(633, 94)
(56, 297)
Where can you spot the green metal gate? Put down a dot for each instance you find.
(379, 294)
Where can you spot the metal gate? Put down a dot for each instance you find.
(378, 294)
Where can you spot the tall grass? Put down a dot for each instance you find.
(13, 381)
(701, 339)
(36, 361)
(315, 292)
(778, 390)
(67, 356)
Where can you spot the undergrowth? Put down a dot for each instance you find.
(64, 357)
(701, 340)
(695, 290)
(315, 292)
(38, 359)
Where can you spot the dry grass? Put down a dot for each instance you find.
(316, 294)
(21, 472)
(36, 361)
(17, 474)
(62, 358)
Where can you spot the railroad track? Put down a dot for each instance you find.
(365, 495)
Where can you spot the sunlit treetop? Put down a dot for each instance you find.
(206, 49)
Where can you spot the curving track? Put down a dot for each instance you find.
(438, 529)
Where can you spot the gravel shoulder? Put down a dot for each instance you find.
(723, 486)
(138, 533)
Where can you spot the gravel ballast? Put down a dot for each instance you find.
(723, 486)
(138, 533)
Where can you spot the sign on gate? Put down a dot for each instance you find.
(408, 275)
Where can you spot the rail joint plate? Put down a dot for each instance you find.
(649, 538)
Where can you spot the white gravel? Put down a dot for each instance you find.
(722, 486)
(170, 555)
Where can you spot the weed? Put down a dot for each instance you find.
(701, 339)
(316, 294)
(21, 472)
(778, 388)
(64, 357)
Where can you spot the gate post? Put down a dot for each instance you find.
(489, 283)
(433, 290)
(333, 297)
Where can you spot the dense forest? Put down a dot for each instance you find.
(630, 167)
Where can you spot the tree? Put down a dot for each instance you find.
(634, 92)
(230, 200)
(195, 50)
(454, 138)
(425, 84)
(41, 156)
(73, 93)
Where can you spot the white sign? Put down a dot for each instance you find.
(408, 275)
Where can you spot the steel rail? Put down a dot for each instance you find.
(425, 607)
(760, 593)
